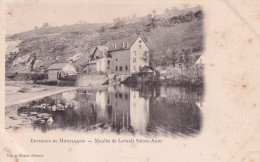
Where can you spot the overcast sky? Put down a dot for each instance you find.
(25, 16)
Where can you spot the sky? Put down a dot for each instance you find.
(25, 15)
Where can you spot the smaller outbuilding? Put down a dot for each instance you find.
(60, 70)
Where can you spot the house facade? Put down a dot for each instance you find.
(59, 70)
(125, 56)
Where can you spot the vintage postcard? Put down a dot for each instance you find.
(130, 80)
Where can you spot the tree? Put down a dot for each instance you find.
(151, 20)
(166, 58)
(102, 29)
(119, 24)
(171, 56)
(45, 25)
(175, 54)
(115, 20)
(199, 15)
(150, 16)
(174, 10)
(147, 57)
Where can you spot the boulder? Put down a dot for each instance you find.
(50, 121)
(22, 59)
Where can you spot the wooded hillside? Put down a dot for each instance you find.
(167, 35)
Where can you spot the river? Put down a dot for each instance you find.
(121, 109)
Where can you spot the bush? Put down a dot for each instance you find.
(66, 83)
(69, 78)
(193, 76)
(40, 76)
(19, 76)
(11, 75)
(45, 82)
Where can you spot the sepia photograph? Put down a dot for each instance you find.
(129, 81)
(137, 74)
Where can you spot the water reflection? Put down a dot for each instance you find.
(140, 109)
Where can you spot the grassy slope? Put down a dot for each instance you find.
(56, 44)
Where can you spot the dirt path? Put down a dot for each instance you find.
(17, 95)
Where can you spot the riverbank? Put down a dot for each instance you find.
(17, 92)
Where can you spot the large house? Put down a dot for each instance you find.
(125, 56)
(59, 70)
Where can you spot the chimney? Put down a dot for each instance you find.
(126, 44)
(123, 44)
(115, 46)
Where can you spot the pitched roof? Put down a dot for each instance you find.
(93, 62)
(57, 66)
(119, 43)
(198, 58)
(102, 48)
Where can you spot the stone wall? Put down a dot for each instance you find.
(88, 80)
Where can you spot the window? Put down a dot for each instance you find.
(134, 60)
(125, 68)
(116, 68)
(180, 66)
(120, 68)
(116, 59)
(120, 95)
(140, 46)
(134, 53)
(108, 64)
(125, 44)
(116, 95)
(126, 96)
